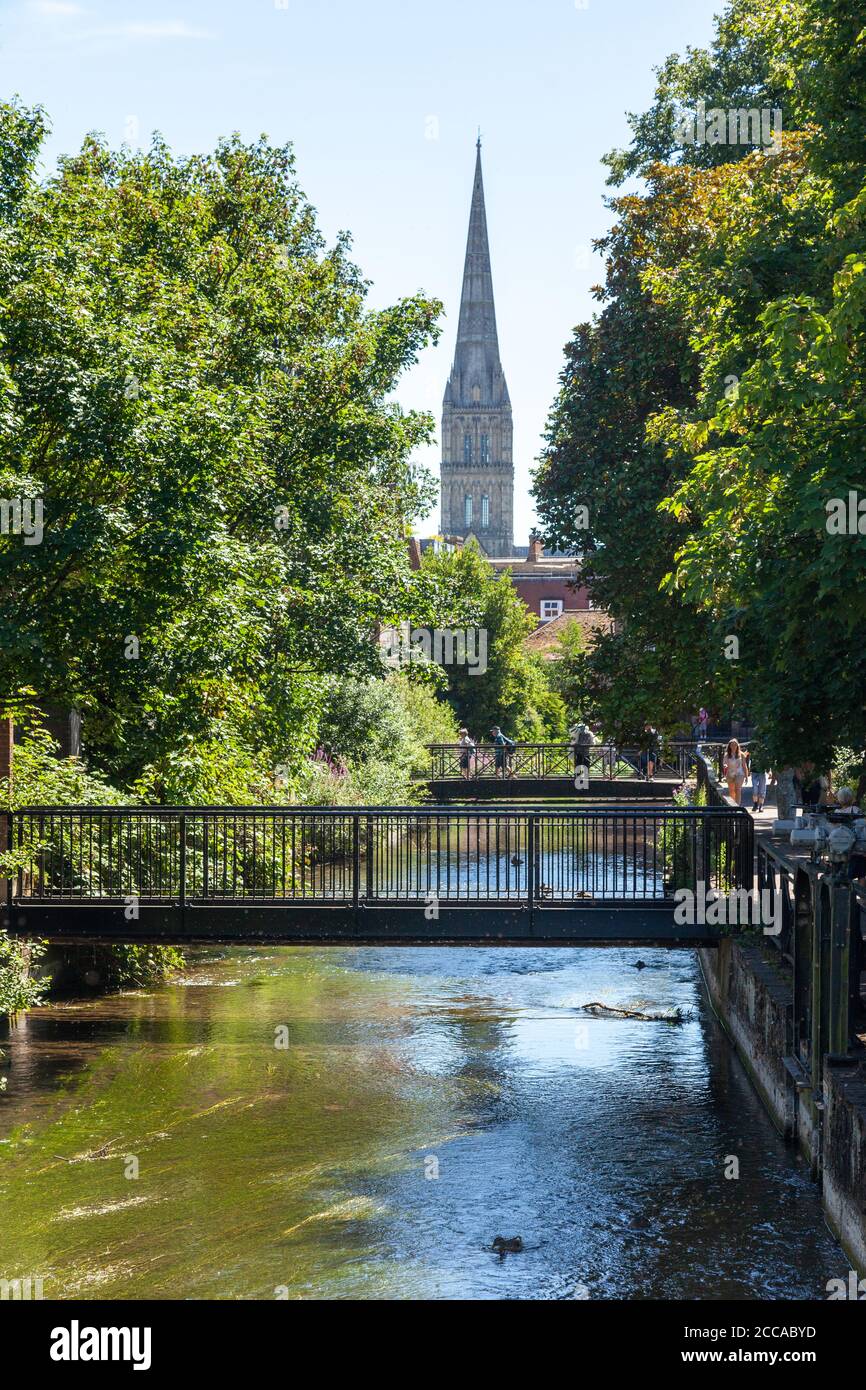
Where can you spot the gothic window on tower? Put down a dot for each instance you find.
(467, 448)
(467, 510)
(485, 448)
(485, 510)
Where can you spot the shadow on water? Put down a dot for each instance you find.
(427, 1101)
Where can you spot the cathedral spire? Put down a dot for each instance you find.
(477, 463)
(477, 352)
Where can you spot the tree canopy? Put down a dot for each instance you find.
(192, 385)
(509, 686)
(714, 408)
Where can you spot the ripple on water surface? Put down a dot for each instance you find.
(427, 1101)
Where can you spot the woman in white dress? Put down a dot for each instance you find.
(736, 769)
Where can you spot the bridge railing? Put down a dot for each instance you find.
(360, 855)
(776, 875)
(538, 761)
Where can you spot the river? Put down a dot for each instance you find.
(361, 1123)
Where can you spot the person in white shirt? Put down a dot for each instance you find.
(582, 739)
(735, 769)
(468, 750)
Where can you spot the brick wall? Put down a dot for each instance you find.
(533, 588)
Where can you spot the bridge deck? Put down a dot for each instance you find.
(558, 788)
(402, 875)
(458, 924)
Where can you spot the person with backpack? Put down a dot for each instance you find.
(650, 753)
(504, 746)
(468, 750)
(582, 739)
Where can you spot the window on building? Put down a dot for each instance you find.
(485, 510)
(550, 608)
(485, 448)
(467, 510)
(467, 448)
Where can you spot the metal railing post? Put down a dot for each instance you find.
(531, 868)
(7, 836)
(706, 850)
(747, 851)
(356, 865)
(205, 865)
(368, 894)
(182, 861)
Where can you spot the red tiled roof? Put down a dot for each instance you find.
(545, 639)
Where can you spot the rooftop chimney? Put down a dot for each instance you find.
(536, 549)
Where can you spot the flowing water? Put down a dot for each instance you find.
(427, 1100)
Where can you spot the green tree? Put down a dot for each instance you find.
(41, 778)
(774, 287)
(715, 404)
(735, 71)
(600, 481)
(567, 670)
(191, 383)
(509, 686)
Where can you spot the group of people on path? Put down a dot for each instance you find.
(503, 747)
(811, 788)
(581, 737)
(738, 765)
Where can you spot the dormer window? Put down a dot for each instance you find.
(550, 609)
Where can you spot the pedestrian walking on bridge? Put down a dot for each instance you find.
(468, 751)
(582, 739)
(504, 747)
(650, 754)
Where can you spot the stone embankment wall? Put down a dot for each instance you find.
(750, 987)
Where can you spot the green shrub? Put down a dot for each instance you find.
(40, 778)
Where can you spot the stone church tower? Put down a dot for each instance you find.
(477, 462)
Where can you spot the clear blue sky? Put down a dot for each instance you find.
(382, 100)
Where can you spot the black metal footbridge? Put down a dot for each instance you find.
(362, 875)
(539, 770)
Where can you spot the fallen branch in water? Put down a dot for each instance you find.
(608, 1011)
